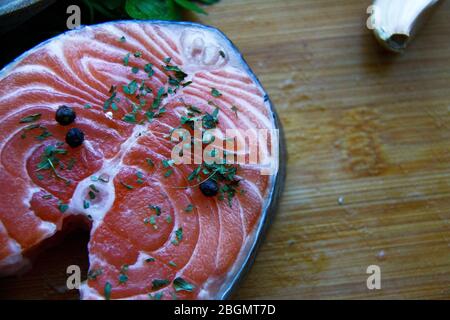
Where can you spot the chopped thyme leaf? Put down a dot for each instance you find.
(150, 260)
(126, 59)
(93, 188)
(122, 39)
(215, 93)
(148, 68)
(172, 264)
(111, 101)
(93, 274)
(130, 118)
(156, 209)
(40, 177)
(91, 195)
(63, 207)
(152, 220)
(49, 159)
(157, 100)
(157, 296)
(167, 60)
(189, 208)
(179, 234)
(169, 219)
(235, 109)
(31, 118)
(135, 70)
(194, 173)
(71, 164)
(194, 109)
(138, 54)
(150, 162)
(182, 285)
(167, 163)
(168, 173)
(159, 283)
(47, 196)
(131, 88)
(86, 204)
(107, 290)
(123, 278)
(87, 106)
(140, 177)
(44, 135)
(126, 185)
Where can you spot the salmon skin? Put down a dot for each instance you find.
(154, 233)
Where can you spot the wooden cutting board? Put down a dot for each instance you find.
(362, 125)
(368, 137)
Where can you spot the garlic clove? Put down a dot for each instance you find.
(395, 22)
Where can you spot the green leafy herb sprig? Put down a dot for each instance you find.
(145, 9)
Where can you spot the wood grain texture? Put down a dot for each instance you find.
(363, 125)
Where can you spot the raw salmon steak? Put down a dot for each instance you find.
(159, 229)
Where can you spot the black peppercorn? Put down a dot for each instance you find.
(65, 115)
(74, 137)
(209, 188)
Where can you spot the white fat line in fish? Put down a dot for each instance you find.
(160, 43)
(159, 75)
(231, 124)
(34, 91)
(195, 92)
(243, 106)
(195, 253)
(111, 167)
(30, 70)
(55, 49)
(138, 46)
(216, 81)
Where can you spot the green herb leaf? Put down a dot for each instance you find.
(31, 118)
(126, 185)
(190, 6)
(150, 162)
(130, 118)
(148, 68)
(131, 88)
(155, 9)
(179, 234)
(189, 208)
(172, 264)
(180, 284)
(215, 93)
(157, 296)
(107, 290)
(123, 278)
(93, 274)
(168, 173)
(159, 283)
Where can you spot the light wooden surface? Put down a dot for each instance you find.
(360, 124)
